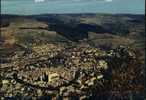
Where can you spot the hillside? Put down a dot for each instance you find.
(72, 56)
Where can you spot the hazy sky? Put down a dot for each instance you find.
(72, 6)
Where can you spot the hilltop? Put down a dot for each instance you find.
(84, 56)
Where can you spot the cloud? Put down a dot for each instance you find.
(37, 1)
(108, 0)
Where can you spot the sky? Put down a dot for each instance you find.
(38, 1)
(30, 7)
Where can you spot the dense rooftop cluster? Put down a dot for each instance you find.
(65, 72)
(83, 56)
